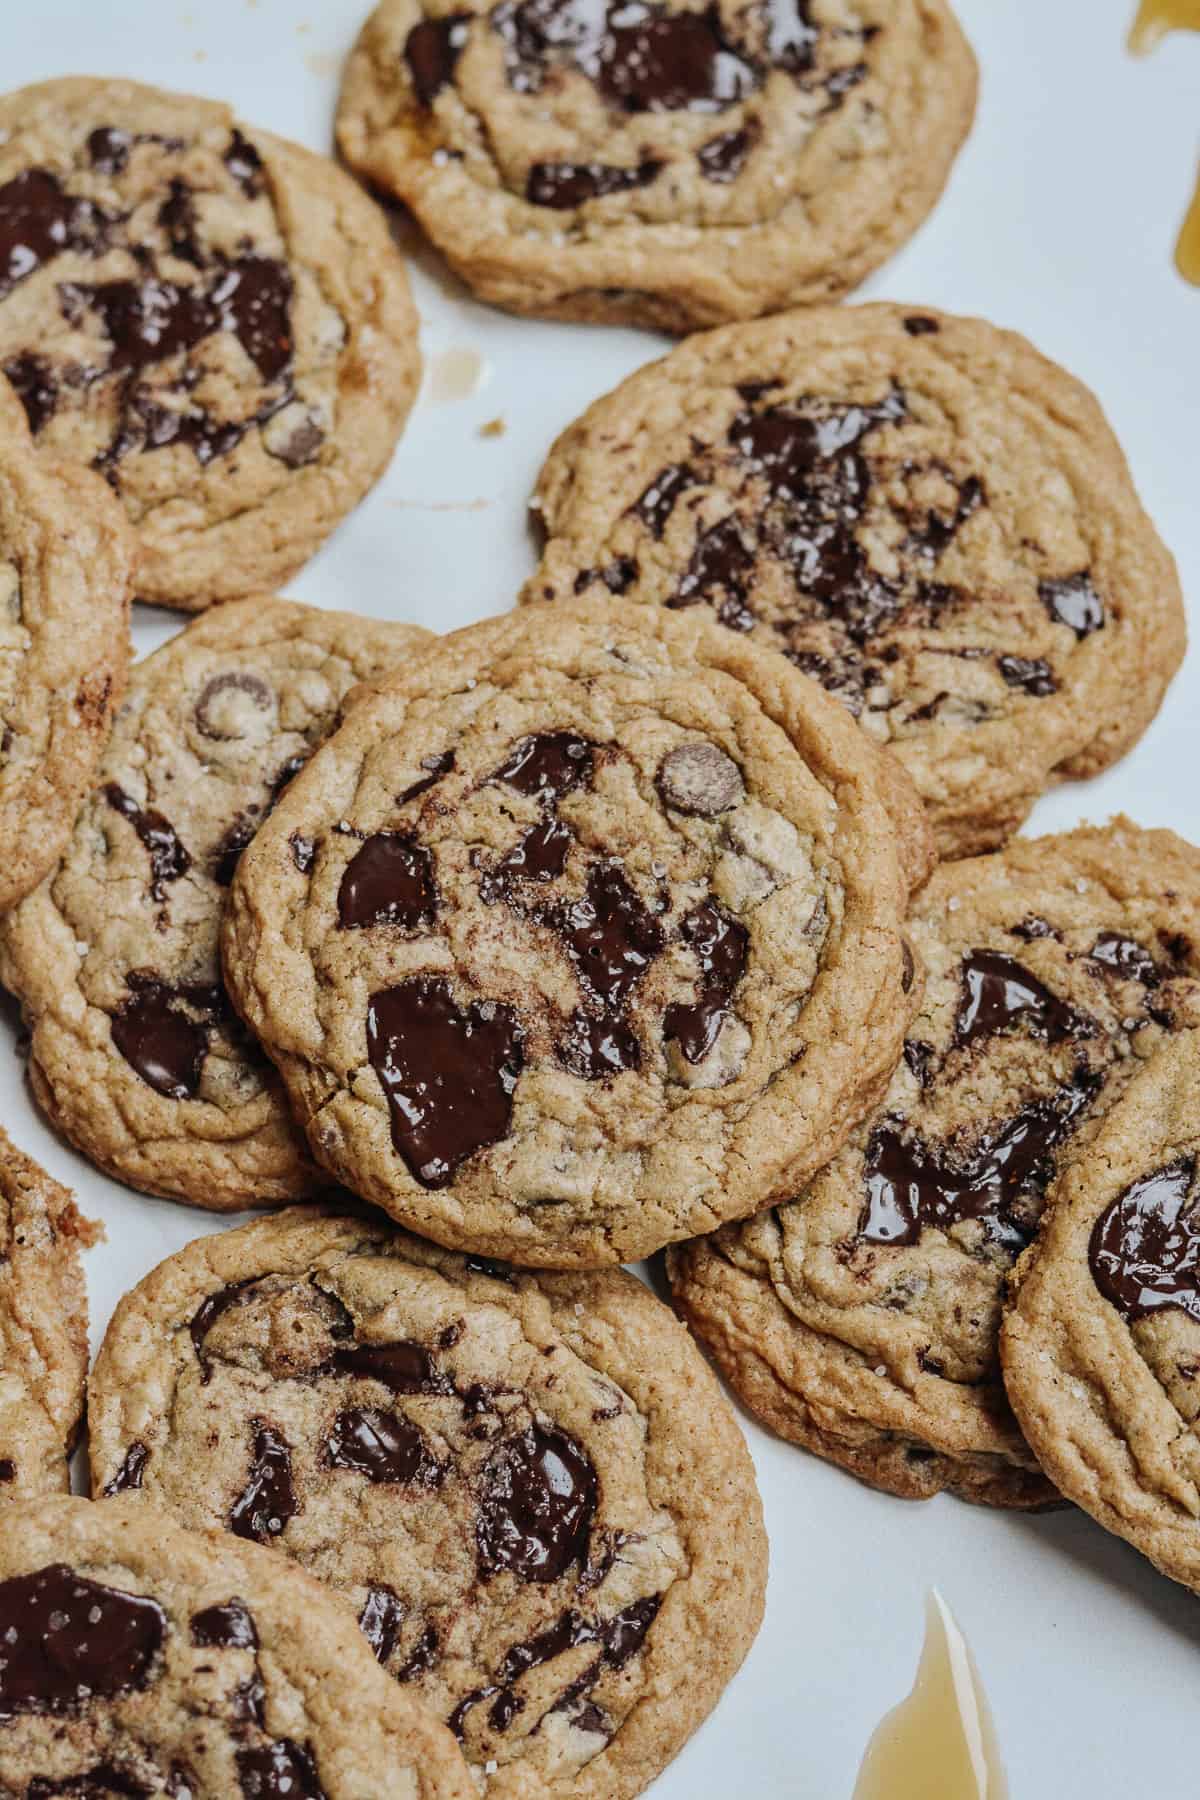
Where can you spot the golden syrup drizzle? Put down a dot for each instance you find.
(1187, 250)
(940, 1741)
(1156, 17)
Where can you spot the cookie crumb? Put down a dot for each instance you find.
(493, 428)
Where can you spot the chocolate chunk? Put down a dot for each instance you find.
(920, 325)
(157, 1034)
(910, 1185)
(423, 1656)
(169, 859)
(609, 935)
(36, 386)
(67, 1640)
(655, 506)
(38, 221)
(1032, 674)
(548, 767)
(998, 992)
(435, 767)
(1074, 601)
(238, 1293)
(448, 1073)
(268, 1500)
(228, 853)
(431, 50)
(1145, 1246)
(721, 563)
(281, 1770)
(131, 1471)
(625, 1634)
(909, 970)
(618, 576)
(918, 1060)
(383, 1446)
(403, 1367)
(227, 1627)
(148, 321)
(178, 219)
(566, 184)
(304, 852)
(594, 1048)
(389, 882)
(1032, 927)
(721, 945)
(541, 855)
(380, 1620)
(538, 1495)
(100, 1782)
(8, 1469)
(108, 149)
(1125, 956)
(244, 164)
(723, 158)
(219, 711)
(937, 532)
(699, 777)
(641, 57)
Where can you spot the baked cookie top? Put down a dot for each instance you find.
(66, 571)
(529, 1488)
(1101, 1343)
(214, 319)
(143, 1659)
(43, 1326)
(581, 936)
(919, 511)
(136, 1054)
(656, 162)
(863, 1319)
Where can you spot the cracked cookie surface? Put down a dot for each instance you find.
(136, 1054)
(580, 936)
(1101, 1342)
(43, 1327)
(528, 1488)
(66, 572)
(655, 162)
(862, 1320)
(919, 511)
(142, 1659)
(214, 319)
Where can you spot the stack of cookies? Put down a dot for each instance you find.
(676, 908)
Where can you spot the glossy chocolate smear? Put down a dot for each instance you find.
(132, 1470)
(169, 859)
(227, 1627)
(911, 1184)
(431, 50)
(538, 1495)
(380, 1620)
(383, 1446)
(1145, 1247)
(278, 1771)
(1073, 601)
(156, 1032)
(721, 946)
(567, 184)
(388, 882)
(548, 766)
(38, 221)
(268, 1500)
(448, 1073)
(404, 1367)
(65, 1640)
(999, 993)
(640, 56)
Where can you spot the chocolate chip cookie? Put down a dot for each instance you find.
(919, 511)
(136, 1055)
(660, 163)
(43, 1326)
(214, 319)
(144, 1660)
(581, 936)
(1101, 1345)
(66, 571)
(528, 1487)
(862, 1320)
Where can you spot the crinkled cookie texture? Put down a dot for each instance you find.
(136, 1054)
(660, 163)
(66, 572)
(1101, 1344)
(862, 1320)
(528, 1488)
(582, 936)
(214, 319)
(146, 1660)
(919, 511)
(43, 1327)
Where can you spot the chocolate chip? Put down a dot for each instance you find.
(383, 1446)
(268, 1500)
(169, 859)
(108, 149)
(999, 992)
(1145, 1246)
(298, 445)
(720, 945)
(564, 184)
(8, 1469)
(244, 164)
(221, 710)
(431, 50)
(920, 325)
(388, 882)
(156, 1032)
(131, 1471)
(699, 778)
(238, 1293)
(538, 1495)
(1074, 602)
(226, 1627)
(1125, 956)
(68, 1640)
(281, 1770)
(404, 1367)
(548, 766)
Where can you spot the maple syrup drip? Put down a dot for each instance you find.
(940, 1740)
(1156, 17)
(1187, 250)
